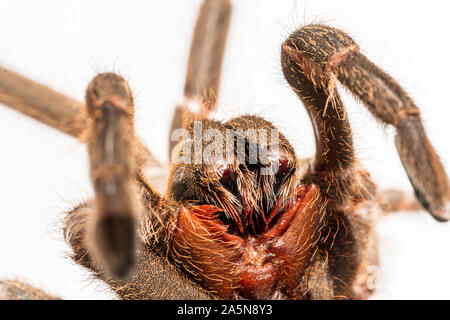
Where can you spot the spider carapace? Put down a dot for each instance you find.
(242, 216)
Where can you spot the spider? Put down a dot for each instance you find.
(230, 230)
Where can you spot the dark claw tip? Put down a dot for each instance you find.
(115, 242)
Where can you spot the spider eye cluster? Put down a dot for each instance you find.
(279, 170)
(188, 185)
(255, 170)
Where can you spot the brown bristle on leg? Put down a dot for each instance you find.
(113, 169)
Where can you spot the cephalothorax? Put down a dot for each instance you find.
(242, 216)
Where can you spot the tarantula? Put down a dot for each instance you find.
(262, 224)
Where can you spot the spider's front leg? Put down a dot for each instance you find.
(111, 148)
(204, 66)
(128, 224)
(347, 247)
(314, 58)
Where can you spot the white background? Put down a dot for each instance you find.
(65, 43)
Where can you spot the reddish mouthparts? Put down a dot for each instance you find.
(263, 266)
